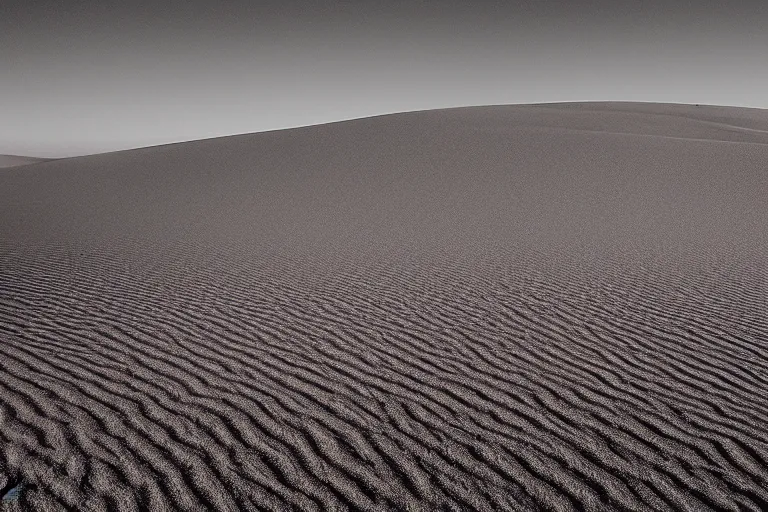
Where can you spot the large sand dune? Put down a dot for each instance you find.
(554, 307)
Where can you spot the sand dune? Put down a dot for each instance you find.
(15, 161)
(550, 307)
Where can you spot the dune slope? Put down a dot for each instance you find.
(551, 307)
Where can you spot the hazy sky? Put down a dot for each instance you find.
(88, 77)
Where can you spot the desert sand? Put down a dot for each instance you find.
(15, 161)
(541, 307)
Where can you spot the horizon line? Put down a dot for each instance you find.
(45, 159)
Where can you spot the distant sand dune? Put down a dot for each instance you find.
(15, 161)
(551, 307)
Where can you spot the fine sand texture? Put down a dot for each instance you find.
(16, 161)
(544, 307)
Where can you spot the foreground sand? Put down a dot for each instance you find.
(557, 307)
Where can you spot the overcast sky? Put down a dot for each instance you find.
(88, 77)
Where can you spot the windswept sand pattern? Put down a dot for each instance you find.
(557, 307)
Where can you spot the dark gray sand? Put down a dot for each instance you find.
(552, 307)
(16, 161)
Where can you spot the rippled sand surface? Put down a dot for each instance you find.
(552, 307)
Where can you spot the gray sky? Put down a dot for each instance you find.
(88, 77)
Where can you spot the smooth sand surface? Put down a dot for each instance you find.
(16, 161)
(552, 307)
